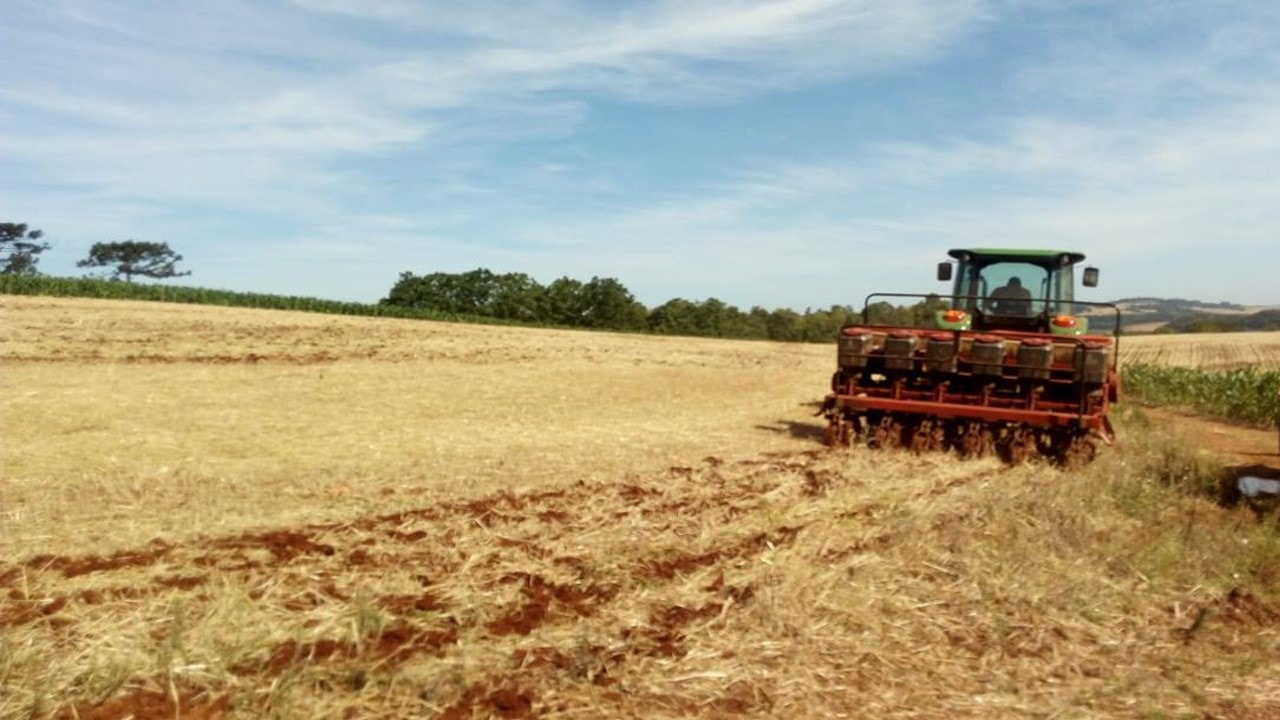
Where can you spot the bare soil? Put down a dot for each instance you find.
(1246, 450)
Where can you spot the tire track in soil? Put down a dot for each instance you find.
(331, 555)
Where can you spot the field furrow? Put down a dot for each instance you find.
(590, 588)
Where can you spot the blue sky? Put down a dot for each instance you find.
(797, 153)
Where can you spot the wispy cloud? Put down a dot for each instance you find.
(196, 91)
(804, 150)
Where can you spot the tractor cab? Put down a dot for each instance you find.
(1025, 290)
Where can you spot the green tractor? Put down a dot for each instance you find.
(1009, 367)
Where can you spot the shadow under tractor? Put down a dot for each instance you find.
(1007, 366)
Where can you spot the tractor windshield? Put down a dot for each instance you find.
(1014, 289)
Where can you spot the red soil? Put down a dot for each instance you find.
(151, 705)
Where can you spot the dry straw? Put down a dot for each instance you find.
(446, 521)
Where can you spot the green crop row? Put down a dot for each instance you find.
(1243, 395)
(117, 290)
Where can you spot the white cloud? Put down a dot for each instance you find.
(422, 127)
(223, 99)
(1171, 183)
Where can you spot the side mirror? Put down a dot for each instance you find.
(1091, 277)
(944, 271)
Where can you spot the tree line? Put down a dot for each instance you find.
(478, 295)
(606, 304)
(21, 247)
(1263, 321)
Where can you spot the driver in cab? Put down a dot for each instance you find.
(1011, 299)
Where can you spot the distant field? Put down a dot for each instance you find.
(220, 513)
(1206, 351)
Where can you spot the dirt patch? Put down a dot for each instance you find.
(408, 604)
(21, 612)
(1235, 444)
(97, 596)
(392, 645)
(581, 599)
(9, 576)
(152, 705)
(74, 567)
(284, 545)
(504, 702)
(181, 582)
(1241, 607)
(592, 663)
(541, 597)
(679, 564)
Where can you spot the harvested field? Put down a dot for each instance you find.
(127, 420)
(1208, 351)
(211, 513)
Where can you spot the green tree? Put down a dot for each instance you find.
(712, 318)
(480, 292)
(473, 292)
(607, 303)
(676, 316)
(517, 296)
(564, 303)
(408, 292)
(133, 257)
(822, 325)
(923, 314)
(783, 325)
(882, 313)
(745, 325)
(20, 249)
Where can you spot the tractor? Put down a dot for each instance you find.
(1006, 367)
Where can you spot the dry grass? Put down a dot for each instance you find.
(451, 521)
(131, 421)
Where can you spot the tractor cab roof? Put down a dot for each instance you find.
(986, 256)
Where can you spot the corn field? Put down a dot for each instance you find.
(1244, 395)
